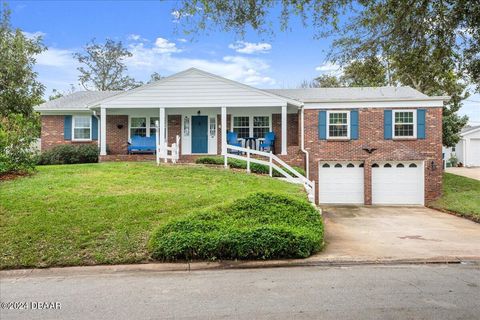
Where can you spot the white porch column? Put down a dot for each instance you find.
(162, 131)
(103, 131)
(284, 130)
(224, 130)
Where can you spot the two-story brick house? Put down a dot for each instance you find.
(360, 145)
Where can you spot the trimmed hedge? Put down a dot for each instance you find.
(70, 154)
(242, 164)
(260, 226)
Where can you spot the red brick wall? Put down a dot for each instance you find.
(52, 133)
(174, 129)
(371, 136)
(219, 130)
(117, 139)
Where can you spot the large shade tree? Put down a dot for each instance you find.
(103, 68)
(19, 88)
(432, 46)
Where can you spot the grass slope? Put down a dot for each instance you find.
(461, 195)
(104, 213)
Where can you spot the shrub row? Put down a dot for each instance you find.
(242, 164)
(261, 226)
(70, 154)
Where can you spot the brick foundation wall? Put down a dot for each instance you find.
(117, 139)
(371, 136)
(52, 133)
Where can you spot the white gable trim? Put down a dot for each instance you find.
(466, 133)
(282, 100)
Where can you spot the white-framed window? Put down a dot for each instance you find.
(213, 127)
(138, 126)
(241, 125)
(404, 123)
(82, 128)
(338, 125)
(251, 126)
(261, 125)
(153, 129)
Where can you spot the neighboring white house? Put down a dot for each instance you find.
(467, 149)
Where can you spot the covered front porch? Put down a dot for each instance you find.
(201, 131)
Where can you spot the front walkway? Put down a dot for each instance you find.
(398, 233)
(473, 173)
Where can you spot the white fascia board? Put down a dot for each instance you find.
(53, 112)
(375, 104)
(156, 106)
(466, 133)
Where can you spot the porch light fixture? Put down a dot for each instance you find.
(433, 166)
(120, 126)
(198, 112)
(186, 126)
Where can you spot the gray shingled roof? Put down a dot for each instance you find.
(76, 101)
(350, 94)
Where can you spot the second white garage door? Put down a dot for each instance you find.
(340, 182)
(399, 183)
(474, 157)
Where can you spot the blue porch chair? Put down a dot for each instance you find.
(268, 142)
(232, 139)
(141, 144)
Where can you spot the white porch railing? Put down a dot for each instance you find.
(273, 162)
(164, 151)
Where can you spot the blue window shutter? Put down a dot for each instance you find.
(94, 128)
(421, 123)
(322, 125)
(387, 124)
(354, 124)
(67, 128)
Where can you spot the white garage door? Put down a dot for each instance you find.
(398, 183)
(475, 152)
(341, 182)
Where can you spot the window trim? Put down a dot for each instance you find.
(347, 124)
(414, 111)
(147, 126)
(73, 127)
(250, 122)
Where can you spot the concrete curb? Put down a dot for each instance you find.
(227, 265)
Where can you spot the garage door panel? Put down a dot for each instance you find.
(341, 184)
(398, 185)
(475, 153)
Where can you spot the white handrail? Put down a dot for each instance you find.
(296, 178)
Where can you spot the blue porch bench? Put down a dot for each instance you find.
(141, 144)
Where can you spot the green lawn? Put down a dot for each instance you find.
(104, 213)
(461, 195)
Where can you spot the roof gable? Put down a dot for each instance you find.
(194, 88)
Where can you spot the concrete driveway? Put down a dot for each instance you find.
(473, 173)
(398, 233)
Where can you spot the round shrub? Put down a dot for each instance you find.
(70, 154)
(260, 226)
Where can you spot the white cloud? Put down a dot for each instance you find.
(182, 40)
(328, 67)
(146, 60)
(56, 58)
(164, 46)
(249, 47)
(134, 37)
(32, 35)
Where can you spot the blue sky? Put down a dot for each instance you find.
(150, 31)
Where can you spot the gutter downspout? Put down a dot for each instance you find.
(302, 143)
(98, 127)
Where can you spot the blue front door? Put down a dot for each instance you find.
(199, 134)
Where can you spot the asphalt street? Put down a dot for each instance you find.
(354, 292)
